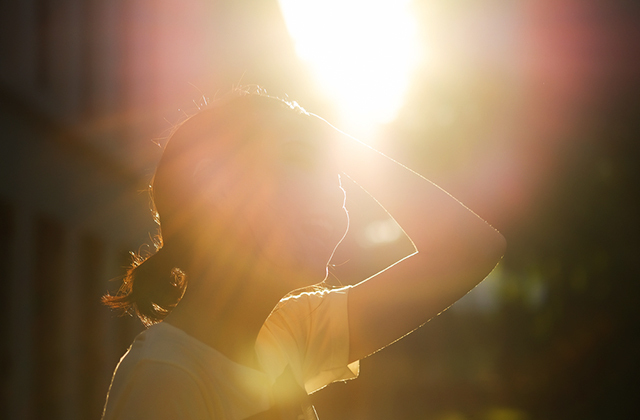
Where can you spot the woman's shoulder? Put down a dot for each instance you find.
(313, 296)
(161, 348)
(309, 332)
(301, 306)
(167, 349)
(163, 342)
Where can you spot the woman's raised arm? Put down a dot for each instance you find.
(455, 250)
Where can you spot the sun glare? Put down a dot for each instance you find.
(362, 53)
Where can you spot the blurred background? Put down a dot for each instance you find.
(527, 111)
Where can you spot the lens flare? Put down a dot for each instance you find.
(362, 53)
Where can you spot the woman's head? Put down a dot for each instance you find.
(250, 178)
(259, 168)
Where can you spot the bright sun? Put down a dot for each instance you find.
(361, 52)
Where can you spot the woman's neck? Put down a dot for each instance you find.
(231, 290)
(227, 312)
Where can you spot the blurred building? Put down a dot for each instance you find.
(69, 211)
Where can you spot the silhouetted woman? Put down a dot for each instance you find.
(251, 209)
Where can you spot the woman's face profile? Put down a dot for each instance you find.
(296, 211)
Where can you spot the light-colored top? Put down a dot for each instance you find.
(167, 374)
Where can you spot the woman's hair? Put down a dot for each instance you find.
(156, 280)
